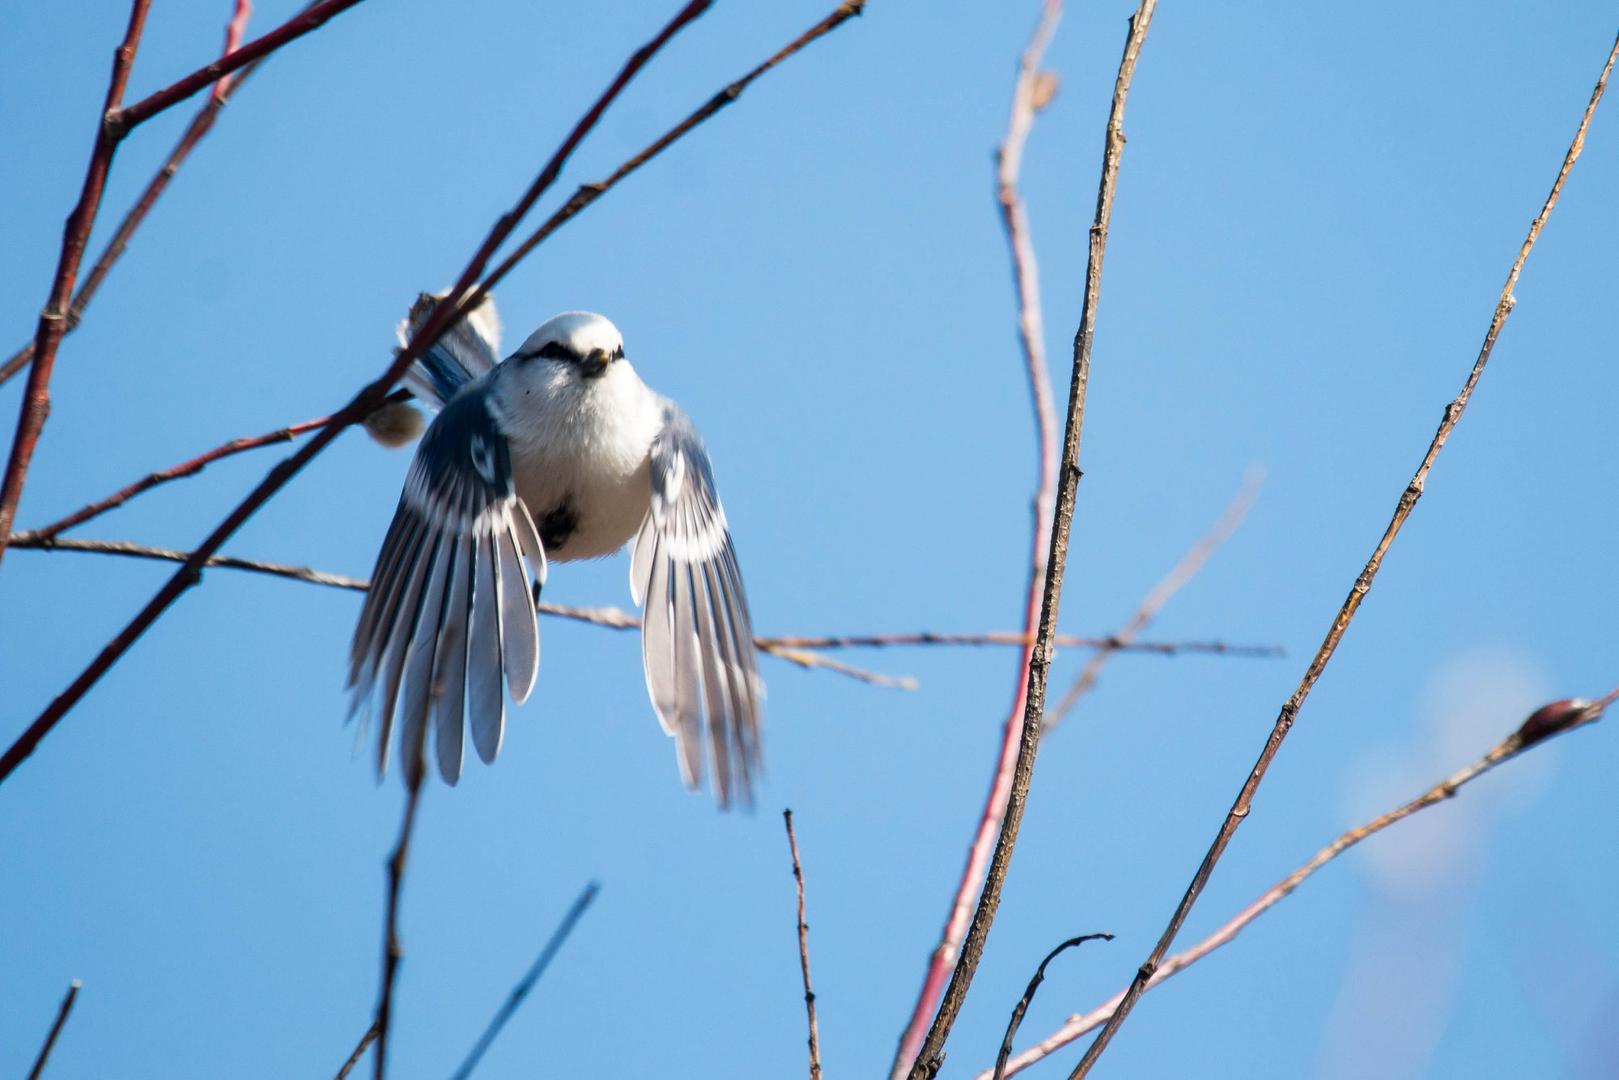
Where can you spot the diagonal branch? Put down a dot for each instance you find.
(803, 952)
(443, 315)
(1363, 583)
(929, 1057)
(56, 1029)
(1031, 91)
(515, 999)
(1160, 595)
(366, 1040)
(1543, 724)
(1022, 1007)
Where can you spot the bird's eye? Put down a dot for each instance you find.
(554, 350)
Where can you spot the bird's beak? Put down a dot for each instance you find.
(595, 363)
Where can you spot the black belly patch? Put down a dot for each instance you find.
(558, 525)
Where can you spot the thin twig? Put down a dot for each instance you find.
(1161, 593)
(1363, 583)
(803, 952)
(392, 952)
(359, 1051)
(200, 125)
(56, 1029)
(1027, 999)
(442, 316)
(36, 403)
(1010, 637)
(610, 617)
(519, 992)
(1031, 90)
(930, 1056)
(1544, 723)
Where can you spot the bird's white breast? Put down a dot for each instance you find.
(581, 450)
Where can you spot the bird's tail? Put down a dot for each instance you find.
(464, 352)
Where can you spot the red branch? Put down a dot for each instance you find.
(234, 30)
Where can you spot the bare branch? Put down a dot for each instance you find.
(1008, 637)
(366, 1040)
(803, 952)
(1363, 584)
(1161, 593)
(929, 1057)
(1549, 721)
(1022, 1006)
(56, 1029)
(519, 992)
(392, 952)
(1031, 90)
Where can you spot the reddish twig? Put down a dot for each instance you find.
(234, 30)
(1160, 595)
(1027, 999)
(200, 125)
(1009, 637)
(1363, 583)
(1549, 721)
(56, 1029)
(929, 1057)
(36, 403)
(803, 952)
(359, 1051)
(443, 314)
(1031, 91)
(519, 992)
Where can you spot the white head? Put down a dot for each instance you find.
(581, 339)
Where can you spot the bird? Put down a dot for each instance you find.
(559, 452)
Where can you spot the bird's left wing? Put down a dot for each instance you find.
(696, 638)
(450, 611)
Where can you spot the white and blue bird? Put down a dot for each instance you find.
(560, 452)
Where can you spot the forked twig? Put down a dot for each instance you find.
(929, 1057)
(1363, 583)
(803, 952)
(56, 1029)
(1543, 724)
(514, 1000)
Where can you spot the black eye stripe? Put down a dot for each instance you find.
(555, 350)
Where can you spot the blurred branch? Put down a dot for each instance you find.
(458, 301)
(1363, 583)
(929, 1057)
(803, 952)
(200, 125)
(359, 1050)
(519, 992)
(1031, 91)
(56, 1029)
(1161, 594)
(1545, 723)
(115, 123)
(1027, 999)
(392, 952)
(1007, 637)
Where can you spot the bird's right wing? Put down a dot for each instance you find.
(450, 613)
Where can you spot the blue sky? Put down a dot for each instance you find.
(1316, 211)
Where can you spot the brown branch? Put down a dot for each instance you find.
(1545, 723)
(1010, 637)
(392, 952)
(36, 403)
(929, 1058)
(444, 313)
(1031, 91)
(1024, 1002)
(56, 1029)
(1363, 583)
(1161, 593)
(519, 992)
(611, 617)
(803, 952)
(200, 125)
(359, 1050)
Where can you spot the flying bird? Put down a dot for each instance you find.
(559, 452)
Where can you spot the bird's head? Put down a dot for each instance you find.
(581, 339)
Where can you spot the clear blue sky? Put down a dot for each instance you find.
(1316, 211)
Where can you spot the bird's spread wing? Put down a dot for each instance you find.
(461, 354)
(450, 609)
(696, 639)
